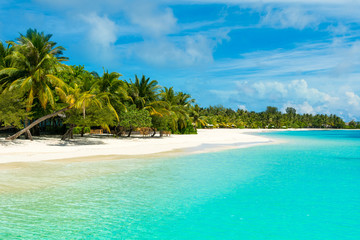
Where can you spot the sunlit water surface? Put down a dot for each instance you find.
(307, 187)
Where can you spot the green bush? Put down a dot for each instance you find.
(77, 130)
(189, 130)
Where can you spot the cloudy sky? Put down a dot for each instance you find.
(239, 53)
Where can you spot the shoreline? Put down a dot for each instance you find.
(90, 147)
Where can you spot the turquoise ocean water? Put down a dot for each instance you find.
(307, 187)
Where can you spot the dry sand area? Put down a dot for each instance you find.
(52, 148)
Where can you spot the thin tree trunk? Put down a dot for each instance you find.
(82, 131)
(153, 132)
(69, 133)
(27, 133)
(35, 131)
(118, 131)
(72, 132)
(16, 135)
(130, 131)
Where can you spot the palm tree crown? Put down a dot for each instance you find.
(143, 92)
(33, 68)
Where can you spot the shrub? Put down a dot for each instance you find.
(77, 130)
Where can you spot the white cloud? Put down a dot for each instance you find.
(297, 90)
(160, 41)
(301, 108)
(152, 20)
(270, 89)
(102, 30)
(294, 17)
(242, 107)
(147, 17)
(352, 105)
(297, 94)
(101, 33)
(297, 14)
(349, 60)
(353, 99)
(154, 24)
(334, 62)
(165, 52)
(266, 78)
(190, 50)
(339, 29)
(155, 17)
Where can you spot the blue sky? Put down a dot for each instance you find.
(241, 54)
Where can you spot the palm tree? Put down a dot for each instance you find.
(112, 90)
(196, 117)
(143, 92)
(176, 106)
(75, 97)
(34, 62)
(5, 52)
(185, 99)
(90, 91)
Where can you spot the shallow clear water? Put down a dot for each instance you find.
(304, 188)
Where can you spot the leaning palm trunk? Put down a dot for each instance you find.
(26, 129)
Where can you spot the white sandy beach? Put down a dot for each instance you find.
(51, 148)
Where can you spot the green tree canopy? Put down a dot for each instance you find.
(134, 118)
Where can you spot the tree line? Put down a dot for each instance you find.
(40, 93)
(219, 116)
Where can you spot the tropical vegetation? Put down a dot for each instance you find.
(40, 94)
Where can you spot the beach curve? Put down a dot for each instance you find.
(51, 148)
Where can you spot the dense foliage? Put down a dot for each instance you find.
(219, 116)
(38, 92)
(12, 109)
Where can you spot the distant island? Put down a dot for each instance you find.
(40, 94)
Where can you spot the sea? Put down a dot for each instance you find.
(305, 186)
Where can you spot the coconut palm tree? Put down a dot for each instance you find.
(34, 62)
(90, 91)
(184, 99)
(143, 92)
(112, 90)
(196, 117)
(75, 97)
(176, 106)
(5, 52)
